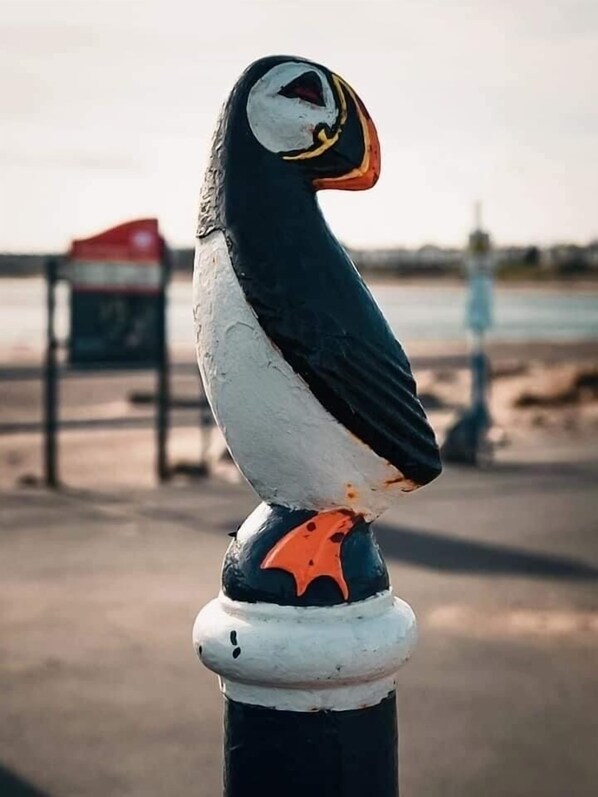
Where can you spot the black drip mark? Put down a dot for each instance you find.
(311, 526)
(233, 641)
(200, 650)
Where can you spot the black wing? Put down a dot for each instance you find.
(316, 309)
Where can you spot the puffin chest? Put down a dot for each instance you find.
(291, 449)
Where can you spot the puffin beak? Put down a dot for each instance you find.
(365, 175)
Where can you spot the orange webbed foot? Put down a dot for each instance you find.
(313, 549)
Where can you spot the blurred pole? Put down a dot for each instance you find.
(480, 378)
(467, 440)
(163, 373)
(205, 422)
(51, 379)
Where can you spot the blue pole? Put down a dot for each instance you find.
(467, 441)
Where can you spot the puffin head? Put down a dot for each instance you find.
(312, 122)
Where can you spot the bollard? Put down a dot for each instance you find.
(318, 405)
(467, 441)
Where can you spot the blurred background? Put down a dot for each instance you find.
(481, 238)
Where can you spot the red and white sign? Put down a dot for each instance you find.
(126, 258)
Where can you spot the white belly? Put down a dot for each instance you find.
(292, 450)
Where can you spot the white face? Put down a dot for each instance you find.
(287, 123)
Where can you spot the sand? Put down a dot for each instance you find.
(535, 398)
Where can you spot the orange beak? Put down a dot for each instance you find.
(366, 174)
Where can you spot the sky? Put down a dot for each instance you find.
(108, 107)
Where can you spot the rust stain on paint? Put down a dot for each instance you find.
(407, 484)
(351, 492)
(396, 480)
(410, 486)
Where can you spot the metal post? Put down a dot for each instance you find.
(467, 441)
(205, 425)
(316, 400)
(480, 378)
(51, 379)
(163, 375)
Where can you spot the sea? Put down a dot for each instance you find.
(416, 311)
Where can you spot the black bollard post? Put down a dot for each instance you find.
(51, 379)
(317, 402)
(349, 753)
(309, 682)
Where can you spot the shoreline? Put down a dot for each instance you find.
(551, 284)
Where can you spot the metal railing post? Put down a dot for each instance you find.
(51, 379)
(163, 372)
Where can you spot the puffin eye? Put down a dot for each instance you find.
(306, 87)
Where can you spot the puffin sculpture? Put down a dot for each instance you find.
(313, 393)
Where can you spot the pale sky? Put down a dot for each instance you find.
(108, 106)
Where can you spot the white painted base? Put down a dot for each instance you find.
(306, 658)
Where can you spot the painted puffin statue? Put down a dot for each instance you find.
(312, 391)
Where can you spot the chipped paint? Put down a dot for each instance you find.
(351, 493)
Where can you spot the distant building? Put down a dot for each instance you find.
(592, 255)
(13, 265)
(426, 261)
(571, 259)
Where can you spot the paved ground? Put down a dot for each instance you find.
(101, 694)
(96, 398)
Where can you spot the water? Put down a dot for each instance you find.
(415, 312)
(428, 312)
(418, 312)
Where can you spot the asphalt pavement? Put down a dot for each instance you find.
(102, 695)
